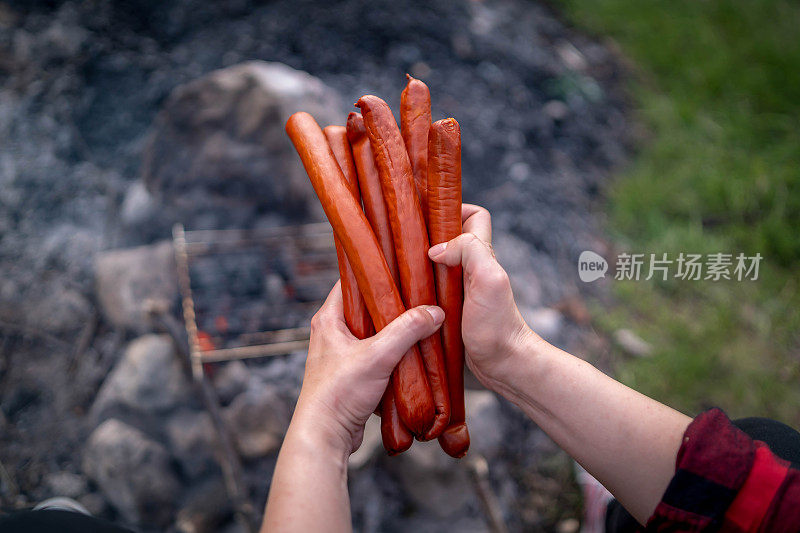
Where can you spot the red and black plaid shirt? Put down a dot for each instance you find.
(726, 481)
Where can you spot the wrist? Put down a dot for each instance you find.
(313, 425)
(522, 365)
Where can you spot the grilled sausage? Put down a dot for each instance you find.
(396, 437)
(410, 240)
(370, 184)
(413, 394)
(444, 224)
(355, 310)
(415, 120)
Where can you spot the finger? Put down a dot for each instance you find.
(476, 219)
(390, 344)
(466, 250)
(332, 311)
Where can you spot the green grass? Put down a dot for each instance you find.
(717, 86)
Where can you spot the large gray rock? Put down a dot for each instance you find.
(133, 472)
(439, 484)
(148, 379)
(127, 278)
(436, 483)
(258, 419)
(219, 145)
(485, 423)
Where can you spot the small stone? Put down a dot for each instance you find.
(133, 472)
(556, 109)
(545, 321)
(574, 308)
(571, 56)
(65, 38)
(191, 440)
(66, 484)
(94, 503)
(231, 380)
(275, 288)
(370, 445)
(632, 344)
(569, 525)
(519, 172)
(285, 373)
(138, 206)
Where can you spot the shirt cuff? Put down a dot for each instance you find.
(713, 463)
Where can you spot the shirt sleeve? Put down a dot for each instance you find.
(724, 480)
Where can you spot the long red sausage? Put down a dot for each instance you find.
(415, 121)
(413, 394)
(355, 310)
(444, 224)
(370, 184)
(396, 437)
(410, 240)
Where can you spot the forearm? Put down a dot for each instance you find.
(309, 485)
(626, 440)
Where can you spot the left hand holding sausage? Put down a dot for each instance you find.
(346, 377)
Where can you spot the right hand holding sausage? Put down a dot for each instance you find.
(492, 327)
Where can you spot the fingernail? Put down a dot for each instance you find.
(436, 250)
(436, 313)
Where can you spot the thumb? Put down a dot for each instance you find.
(392, 342)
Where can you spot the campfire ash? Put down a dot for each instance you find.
(121, 119)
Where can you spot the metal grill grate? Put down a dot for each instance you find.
(250, 293)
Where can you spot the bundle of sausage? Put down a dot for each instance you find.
(410, 185)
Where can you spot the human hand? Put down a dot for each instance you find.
(491, 325)
(345, 377)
